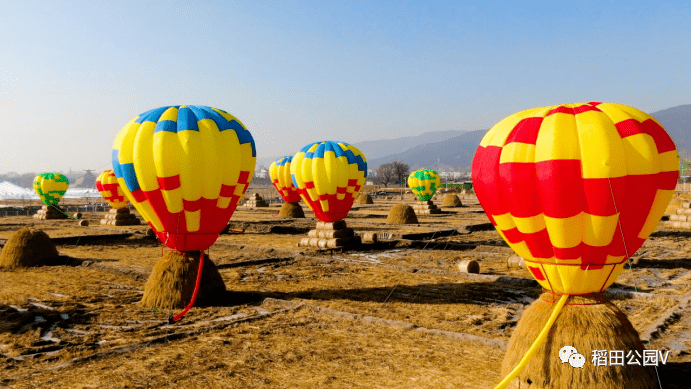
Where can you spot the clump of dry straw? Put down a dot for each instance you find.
(291, 211)
(364, 198)
(451, 200)
(402, 214)
(26, 248)
(586, 323)
(173, 278)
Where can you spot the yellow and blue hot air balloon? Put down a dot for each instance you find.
(50, 187)
(185, 169)
(280, 174)
(329, 176)
(107, 185)
(424, 183)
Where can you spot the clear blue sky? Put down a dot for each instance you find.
(73, 73)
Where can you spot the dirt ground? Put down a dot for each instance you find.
(395, 314)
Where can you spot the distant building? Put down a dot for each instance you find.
(261, 173)
(87, 180)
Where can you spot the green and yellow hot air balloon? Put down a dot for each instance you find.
(50, 187)
(424, 183)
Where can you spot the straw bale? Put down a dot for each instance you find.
(84, 223)
(173, 278)
(77, 215)
(368, 237)
(291, 211)
(586, 323)
(341, 224)
(469, 266)
(402, 214)
(683, 211)
(26, 248)
(331, 234)
(515, 261)
(119, 210)
(364, 198)
(451, 200)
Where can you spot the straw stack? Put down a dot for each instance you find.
(26, 248)
(291, 211)
(364, 198)
(426, 208)
(451, 200)
(256, 201)
(50, 213)
(330, 235)
(120, 217)
(402, 214)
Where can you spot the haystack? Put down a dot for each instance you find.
(364, 198)
(586, 323)
(402, 214)
(26, 248)
(256, 201)
(173, 278)
(291, 211)
(451, 200)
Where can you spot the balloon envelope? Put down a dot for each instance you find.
(50, 187)
(575, 189)
(107, 185)
(329, 176)
(424, 183)
(185, 168)
(280, 174)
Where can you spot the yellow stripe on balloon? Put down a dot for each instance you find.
(619, 112)
(312, 192)
(192, 220)
(557, 227)
(499, 133)
(319, 174)
(125, 141)
(530, 225)
(602, 152)
(349, 170)
(518, 152)
(223, 202)
(144, 155)
(332, 167)
(504, 222)
(670, 161)
(520, 248)
(599, 230)
(167, 146)
(190, 165)
(231, 163)
(640, 151)
(169, 114)
(558, 138)
(658, 207)
(211, 160)
(297, 171)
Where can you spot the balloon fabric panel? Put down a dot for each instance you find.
(50, 187)
(424, 183)
(280, 174)
(107, 185)
(185, 169)
(576, 189)
(329, 176)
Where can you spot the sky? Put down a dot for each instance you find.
(74, 73)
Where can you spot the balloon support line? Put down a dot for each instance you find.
(60, 210)
(536, 344)
(173, 319)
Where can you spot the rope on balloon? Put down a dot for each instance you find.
(61, 211)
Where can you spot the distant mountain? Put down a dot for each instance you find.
(677, 122)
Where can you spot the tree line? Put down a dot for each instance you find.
(395, 173)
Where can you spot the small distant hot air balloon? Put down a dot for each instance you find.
(119, 215)
(329, 176)
(424, 183)
(50, 187)
(280, 174)
(185, 169)
(575, 190)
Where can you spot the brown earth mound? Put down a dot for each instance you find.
(26, 248)
(291, 211)
(451, 200)
(172, 281)
(587, 324)
(402, 214)
(364, 198)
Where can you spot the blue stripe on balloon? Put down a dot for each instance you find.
(126, 171)
(151, 116)
(306, 148)
(187, 120)
(283, 161)
(293, 178)
(166, 125)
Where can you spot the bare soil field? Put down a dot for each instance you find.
(392, 314)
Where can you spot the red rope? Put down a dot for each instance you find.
(194, 293)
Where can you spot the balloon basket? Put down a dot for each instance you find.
(426, 208)
(291, 211)
(172, 281)
(256, 201)
(331, 235)
(49, 212)
(589, 324)
(120, 217)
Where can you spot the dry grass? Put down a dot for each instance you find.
(451, 200)
(26, 248)
(402, 214)
(364, 198)
(291, 211)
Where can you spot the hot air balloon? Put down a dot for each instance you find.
(50, 187)
(119, 215)
(280, 174)
(575, 190)
(329, 176)
(185, 169)
(424, 183)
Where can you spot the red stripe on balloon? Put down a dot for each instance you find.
(573, 111)
(667, 180)
(518, 183)
(486, 180)
(309, 184)
(169, 183)
(227, 190)
(341, 189)
(561, 187)
(352, 182)
(599, 194)
(243, 177)
(536, 273)
(139, 195)
(526, 131)
(192, 205)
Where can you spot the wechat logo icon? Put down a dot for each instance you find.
(569, 354)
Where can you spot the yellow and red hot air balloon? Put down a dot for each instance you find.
(329, 176)
(185, 168)
(576, 189)
(50, 187)
(280, 174)
(107, 185)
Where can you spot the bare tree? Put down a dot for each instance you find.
(385, 174)
(401, 171)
